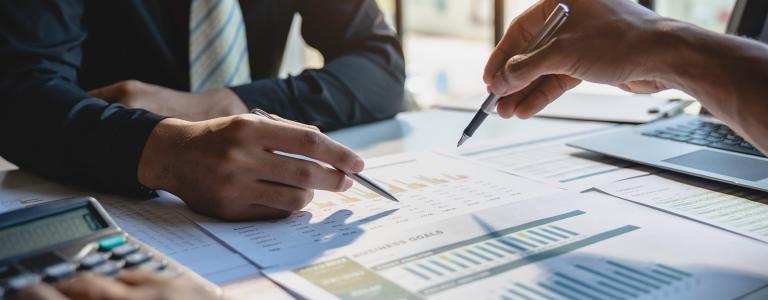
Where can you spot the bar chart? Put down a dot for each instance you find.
(430, 188)
(564, 246)
(394, 185)
(603, 279)
(437, 270)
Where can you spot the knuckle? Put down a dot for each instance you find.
(305, 173)
(298, 200)
(312, 140)
(130, 86)
(241, 127)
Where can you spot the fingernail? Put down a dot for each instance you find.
(347, 184)
(499, 86)
(358, 166)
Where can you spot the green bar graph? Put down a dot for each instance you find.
(539, 234)
(500, 248)
(479, 239)
(530, 259)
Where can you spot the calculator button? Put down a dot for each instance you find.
(124, 250)
(153, 265)
(137, 259)
(109, 268)
(93, 260)
(21, 281)
(111, 242)
(59, 271)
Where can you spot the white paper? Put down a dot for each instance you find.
(606, 108)
(732, 208)
(566, 246)
(151, 222)
(553, 162)
(430, 187)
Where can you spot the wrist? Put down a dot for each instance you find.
(227, 103)
(154, 170)
(669, 51)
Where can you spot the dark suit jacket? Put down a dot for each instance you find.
(52, 51)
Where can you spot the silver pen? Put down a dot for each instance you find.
(551, 25)
(359, 178)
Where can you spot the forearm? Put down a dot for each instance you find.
(727, 74)
(351, 89)
(51, 128)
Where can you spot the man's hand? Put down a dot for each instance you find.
(172, 103)
(602, 41)
(227, 167)
(129, 285)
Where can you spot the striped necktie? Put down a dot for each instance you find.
(218, 51)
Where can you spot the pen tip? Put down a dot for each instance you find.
(463, 139)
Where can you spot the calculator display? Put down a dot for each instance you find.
(48, 231)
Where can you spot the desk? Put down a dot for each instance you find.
(437, 129)
(413, 131)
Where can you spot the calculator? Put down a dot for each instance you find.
(55, 240)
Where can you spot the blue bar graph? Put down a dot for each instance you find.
(601, 279)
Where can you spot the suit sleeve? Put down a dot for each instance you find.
(363, 77)
(48, 124)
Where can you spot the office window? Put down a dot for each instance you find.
(446, 45)
(710, 14)
(447, 42)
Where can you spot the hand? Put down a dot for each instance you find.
(226, 167)
(602, 41)
(129, 285)
(172, 103)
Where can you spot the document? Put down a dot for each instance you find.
(627, 108)
(151, 222)
(563, 246)
(430, 187)
(731, 208)
(553, 162)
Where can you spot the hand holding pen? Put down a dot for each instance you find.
(357, 177)
(551, 25)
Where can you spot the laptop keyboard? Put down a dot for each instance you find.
(707, 134)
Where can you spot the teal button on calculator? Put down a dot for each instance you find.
(55, 240)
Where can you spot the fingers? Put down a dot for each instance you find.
(280, 197)
(303, 174)
(302, 125)
(521, 70)
(89, 286)
(516, 38)
(40, 292)
(311, 143)
(535, 97)
(139, 277)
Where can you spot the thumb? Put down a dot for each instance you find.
(522, 70)
(110, 93)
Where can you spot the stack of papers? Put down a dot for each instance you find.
(499, 220)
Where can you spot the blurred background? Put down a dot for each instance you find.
(447, 42)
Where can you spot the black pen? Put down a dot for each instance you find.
(551, 25)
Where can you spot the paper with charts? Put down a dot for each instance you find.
(152, 222)
(553, 162)
(729, 207)
(430, 187)
(563, 246)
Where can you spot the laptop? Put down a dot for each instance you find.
(697, 145)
